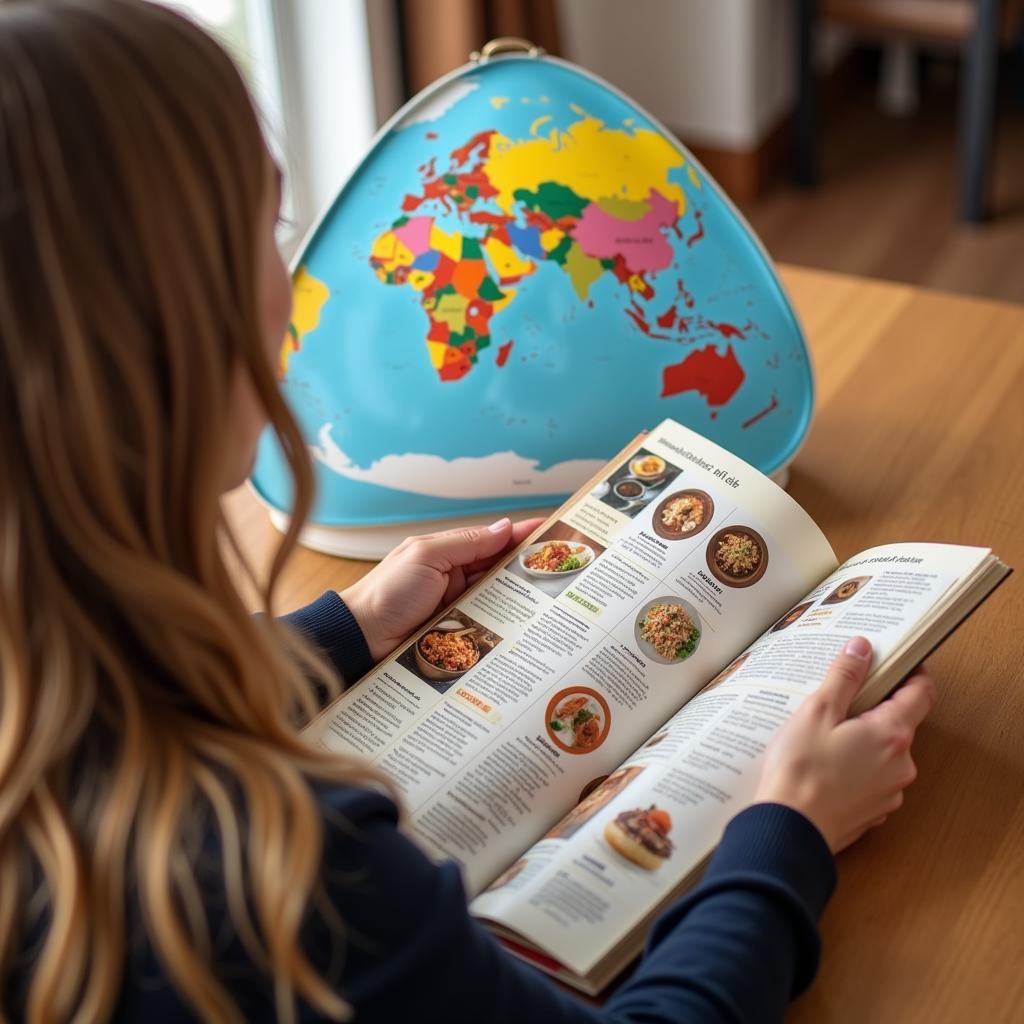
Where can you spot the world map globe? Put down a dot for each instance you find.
(524, 272)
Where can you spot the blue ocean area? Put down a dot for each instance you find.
(580, 379)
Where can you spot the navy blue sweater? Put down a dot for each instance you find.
(736, 949)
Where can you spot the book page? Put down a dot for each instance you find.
(636, 837)
(882, 593)
(543, 677)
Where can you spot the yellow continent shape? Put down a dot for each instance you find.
(390, 253)
(506, 261)
(308, 297)
(592, 160)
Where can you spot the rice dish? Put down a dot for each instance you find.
(669, 629)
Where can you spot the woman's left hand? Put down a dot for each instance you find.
(424, 574)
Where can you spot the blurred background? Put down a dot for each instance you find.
(875, 137)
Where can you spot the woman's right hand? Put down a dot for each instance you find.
(846, 775)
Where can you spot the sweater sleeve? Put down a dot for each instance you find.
(330, 625)
(736, 949)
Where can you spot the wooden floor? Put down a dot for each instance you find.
(886, 205)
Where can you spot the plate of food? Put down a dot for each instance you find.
(683, 514)
(733, 666)
(737, 556)
(555, 558)
(641, 836)
(648, 467)
(446, 654)
(667, 630)
(846, 590)
(578, 719)
(791, 616)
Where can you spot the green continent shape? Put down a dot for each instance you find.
(560, 253)
(555, 200)
(489, 291)
(471, 249)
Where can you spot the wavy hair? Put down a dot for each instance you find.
(142, 709)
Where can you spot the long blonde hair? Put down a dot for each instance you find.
(142, 709)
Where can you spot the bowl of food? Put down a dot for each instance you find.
(733, 666)
(846, 590)
(791, 616)
(555, 558)
(577, 720)
(446, 654)
(647, 467)
(737, 556)
(629, 489)
(683, 514)
(667, 630)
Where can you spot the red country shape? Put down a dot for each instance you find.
(726, 330)
(480, 142)
(716, 377)
(455, 366)
(503, 352)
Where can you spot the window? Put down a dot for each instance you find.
(308, 66)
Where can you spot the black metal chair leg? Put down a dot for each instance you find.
(977, 112)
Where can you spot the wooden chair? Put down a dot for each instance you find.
(980, 27)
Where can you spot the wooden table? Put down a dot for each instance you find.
(918, 435)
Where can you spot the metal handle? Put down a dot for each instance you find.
(505, 44)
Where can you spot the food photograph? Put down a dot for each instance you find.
(667, 630)
(641, 836)
(737, 556)
(597, 794)
(683, 514)
(655, 740)
(727, 671)
(636, 483)
(846, 590)
(791, 616)
(557, 557)
(448, 650)
(577, 720)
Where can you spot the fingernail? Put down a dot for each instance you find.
(499, 525)
(859, 647)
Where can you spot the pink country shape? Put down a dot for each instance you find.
(414, 234)
(640, 242)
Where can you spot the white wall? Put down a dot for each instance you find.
(718, 72)
(684, 60)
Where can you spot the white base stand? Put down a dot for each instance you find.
(372, 543)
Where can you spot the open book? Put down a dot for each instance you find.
(578, 729)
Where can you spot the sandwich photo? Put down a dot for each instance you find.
(641, 836)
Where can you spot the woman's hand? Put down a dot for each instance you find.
(847, 774)
(422, 575)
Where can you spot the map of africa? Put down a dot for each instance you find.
(523, 272)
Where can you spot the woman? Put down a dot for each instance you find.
(169, 846)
